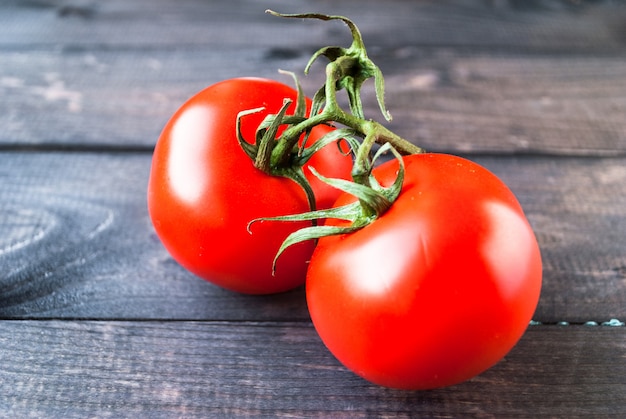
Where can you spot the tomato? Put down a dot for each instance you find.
(204, 190)
(436, 290)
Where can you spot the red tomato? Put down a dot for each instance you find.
(204, 190)
(435, 291)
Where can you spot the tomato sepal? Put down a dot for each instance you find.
(373, 201)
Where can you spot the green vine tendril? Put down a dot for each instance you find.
(284, 155)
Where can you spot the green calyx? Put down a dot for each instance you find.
(373, 201)
(285, 154)
(288, 159)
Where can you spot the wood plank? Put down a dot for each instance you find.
(540, 25)
(469, 77)
(76, 242)
(95, 369)
(510, 103)
(442, 101)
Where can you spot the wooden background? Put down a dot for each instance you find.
(96, 320)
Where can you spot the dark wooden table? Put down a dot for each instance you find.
(98, 321)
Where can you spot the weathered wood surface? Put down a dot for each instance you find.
(76, 241)
(97, 320)
(156, 369)
(547, 76)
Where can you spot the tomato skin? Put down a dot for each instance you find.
(435, 291)
(204, 190)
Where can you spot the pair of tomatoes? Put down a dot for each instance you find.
(432, 293)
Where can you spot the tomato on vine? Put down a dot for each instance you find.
(426, 271)
(436, 290)
(204, 189)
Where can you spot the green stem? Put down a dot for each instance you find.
(332, 112)
(348, 69)
(290, 137)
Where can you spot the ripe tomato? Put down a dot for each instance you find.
(435, 291)
(204, 190)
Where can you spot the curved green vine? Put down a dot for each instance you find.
(284, 155)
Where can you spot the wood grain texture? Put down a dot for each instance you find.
(478, 77)
(76, 241)
(541, 25)
(198, 369)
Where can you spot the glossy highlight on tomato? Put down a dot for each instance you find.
(204, 190)
(436, 290)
